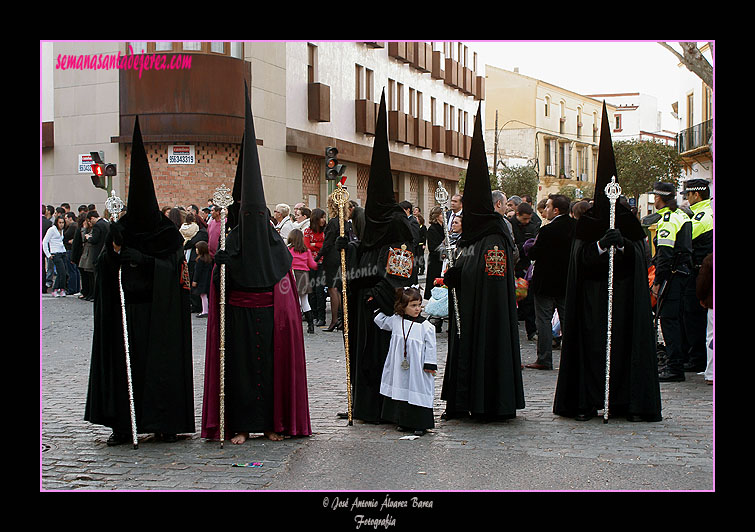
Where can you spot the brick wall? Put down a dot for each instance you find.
(310, 178)
(414, 181)
(363, 177)
(184, 184)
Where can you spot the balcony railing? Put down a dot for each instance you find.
(694, 137)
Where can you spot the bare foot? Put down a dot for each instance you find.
(239, 438)
(273, 436)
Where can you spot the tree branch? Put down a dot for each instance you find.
(694, 60)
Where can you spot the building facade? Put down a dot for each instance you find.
(530, 121)
(305, 96)
(637, 117)
(695, 110)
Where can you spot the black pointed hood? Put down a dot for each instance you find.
(144, 226)
(142, 200)
(595, 221)
(258, 256)
(385, 220)
(479, 218)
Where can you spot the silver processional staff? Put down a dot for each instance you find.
(115, 205)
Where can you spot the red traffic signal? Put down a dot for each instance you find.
(333, 169)
(98, 173)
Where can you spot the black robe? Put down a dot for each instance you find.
(634, 387)
(435, 237)
(159, 331)
(368, 344)
(483, 374)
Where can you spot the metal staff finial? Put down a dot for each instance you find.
(441, 196)
(613, 191)
(341, 197)
(222, 198)
(115, 205)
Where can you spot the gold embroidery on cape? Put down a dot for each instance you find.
(400, 262)
(495, 262)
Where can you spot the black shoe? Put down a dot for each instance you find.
(697, 368)
(319, 323)
(419, 432)
(169, 438)
(667, 376)
(586, 416)
(118, 439)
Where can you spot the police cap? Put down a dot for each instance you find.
(695, 185)
(665, 190)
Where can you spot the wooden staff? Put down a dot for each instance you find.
(341, 198)
(223, 199)
(114, 205)
(613, 191)
(441, 196)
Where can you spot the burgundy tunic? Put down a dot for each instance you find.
(290, 399)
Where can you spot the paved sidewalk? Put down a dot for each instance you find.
(535, 451)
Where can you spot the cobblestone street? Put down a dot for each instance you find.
(535, 451)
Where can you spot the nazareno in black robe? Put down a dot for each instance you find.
(483, 375)
(633, 385)
(159, 331)
(368, 344)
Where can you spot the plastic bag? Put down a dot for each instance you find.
(437, 305)
(521, 288)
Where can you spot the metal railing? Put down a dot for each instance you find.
(695, 136)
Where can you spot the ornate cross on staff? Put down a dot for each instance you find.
(341, 198)
(222, 198)
(441, 197)
(613, 191)
(115, 205)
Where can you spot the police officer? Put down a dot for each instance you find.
(673, 266)
(694, 319)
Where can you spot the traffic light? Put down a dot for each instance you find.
(98, 172)
(333, 169)
(102, 172)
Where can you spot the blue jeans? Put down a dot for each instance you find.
(74, 277)
(61, 272)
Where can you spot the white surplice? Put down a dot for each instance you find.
(412, 385)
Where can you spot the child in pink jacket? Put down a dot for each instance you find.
(302, 263)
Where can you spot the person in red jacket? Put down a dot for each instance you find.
(314, 236)
(704, 291)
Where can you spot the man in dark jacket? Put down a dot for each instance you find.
(524, 229)
(46, 224)
(551, 252)
(100, 230)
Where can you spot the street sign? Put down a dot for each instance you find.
(181, 154)
(85, 163)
